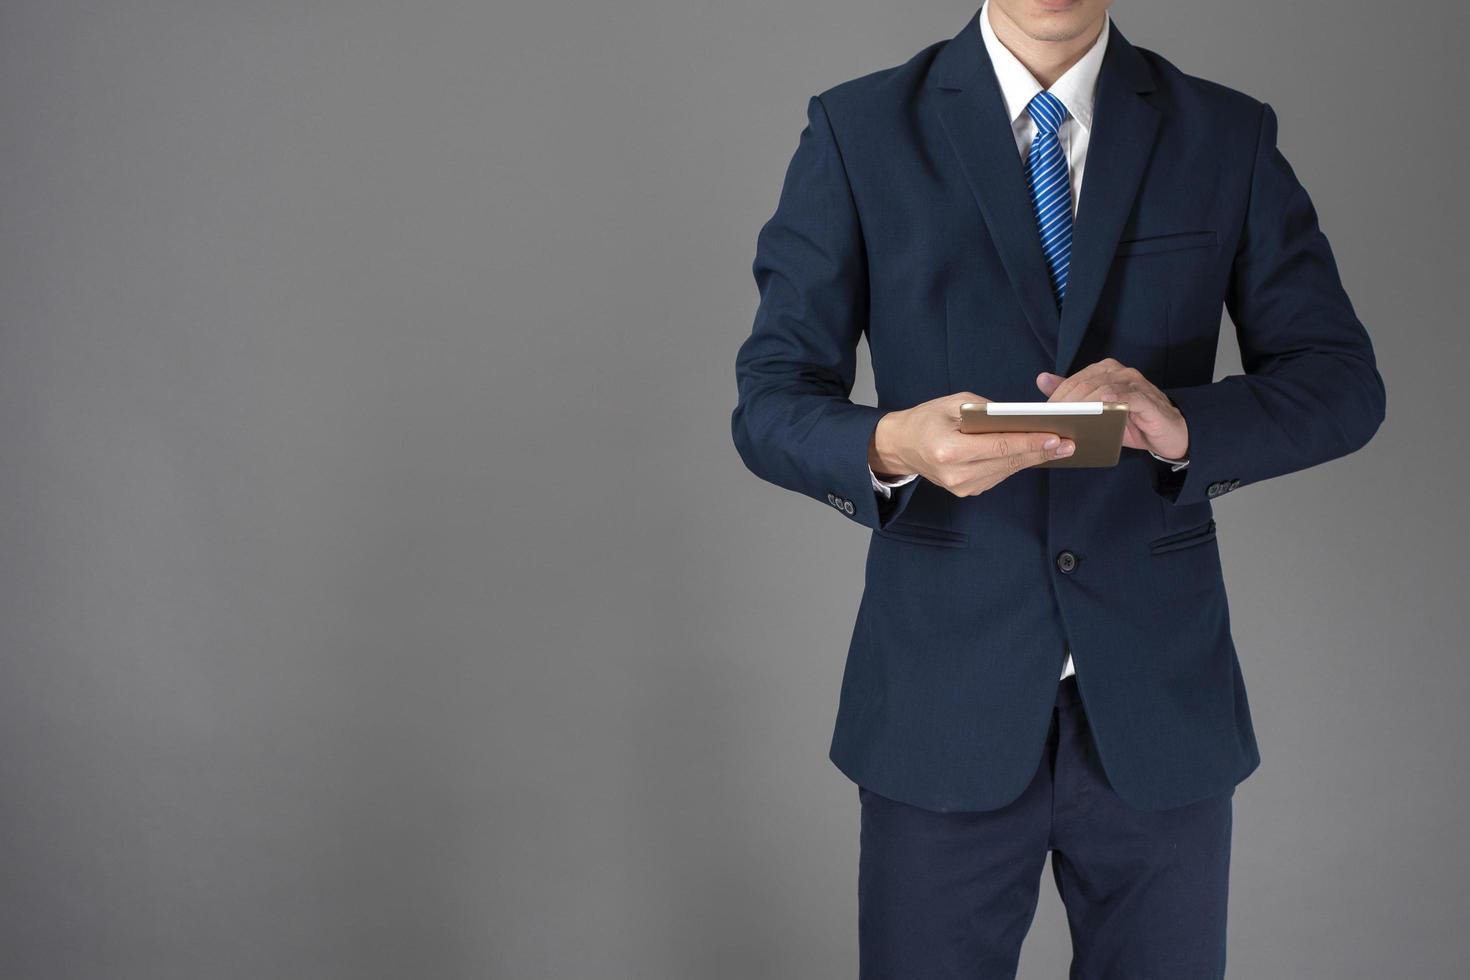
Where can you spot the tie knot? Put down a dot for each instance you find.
(1048, 112)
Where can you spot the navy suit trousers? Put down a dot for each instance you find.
(950, 895)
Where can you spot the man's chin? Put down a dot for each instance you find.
(1056, 21)
(1055, 29)
(1055, 36)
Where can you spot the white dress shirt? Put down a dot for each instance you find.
(1077, 90)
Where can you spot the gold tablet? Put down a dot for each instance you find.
(1096, 427)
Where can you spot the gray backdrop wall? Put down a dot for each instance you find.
(381, 595)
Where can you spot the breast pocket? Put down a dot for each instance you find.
(1167, 243)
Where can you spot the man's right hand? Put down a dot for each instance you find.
(927, 440)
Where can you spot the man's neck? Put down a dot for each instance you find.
(1045, 60)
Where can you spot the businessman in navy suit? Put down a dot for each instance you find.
(1042, 659)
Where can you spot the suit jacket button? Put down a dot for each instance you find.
(1213, 490)
(847, 506)
(832, 499)
(1234, 484)
(1066, 562)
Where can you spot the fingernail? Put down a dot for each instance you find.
(1065, 449)
(1050, 443)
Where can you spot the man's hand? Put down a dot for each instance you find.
(927, 440)
(1153, 421)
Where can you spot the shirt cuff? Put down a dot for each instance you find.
(885, 489)
(1178, 464)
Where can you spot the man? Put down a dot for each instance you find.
(940, 208)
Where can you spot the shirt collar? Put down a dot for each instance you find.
(1077, 88)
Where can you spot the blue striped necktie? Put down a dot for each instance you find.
(1051, 189)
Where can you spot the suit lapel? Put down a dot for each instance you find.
(973, 115)
(1125, 126)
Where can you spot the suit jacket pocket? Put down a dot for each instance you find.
(1187, 538)
(942, 537)
(1167, 243)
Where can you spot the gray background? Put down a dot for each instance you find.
(382, 595)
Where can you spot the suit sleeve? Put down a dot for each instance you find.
(1311, 391)
(794, 423)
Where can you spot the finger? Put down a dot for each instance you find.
(1105, 386)
(1067, 390)
(1048, 382)
(1143, 403)
(1019, 454)
(1011, 444)
(953, 402)
(964, 448)
(990, 472)
(1093, 374)
(1104, 390)
(1146, 418)
(1148, 411)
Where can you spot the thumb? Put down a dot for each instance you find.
(1048, 382)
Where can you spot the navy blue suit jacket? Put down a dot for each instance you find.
(905, 217)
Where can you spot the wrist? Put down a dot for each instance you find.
(884, 458)
(1183, 438)
(1172, 442)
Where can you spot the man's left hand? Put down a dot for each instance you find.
(1153, 421)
